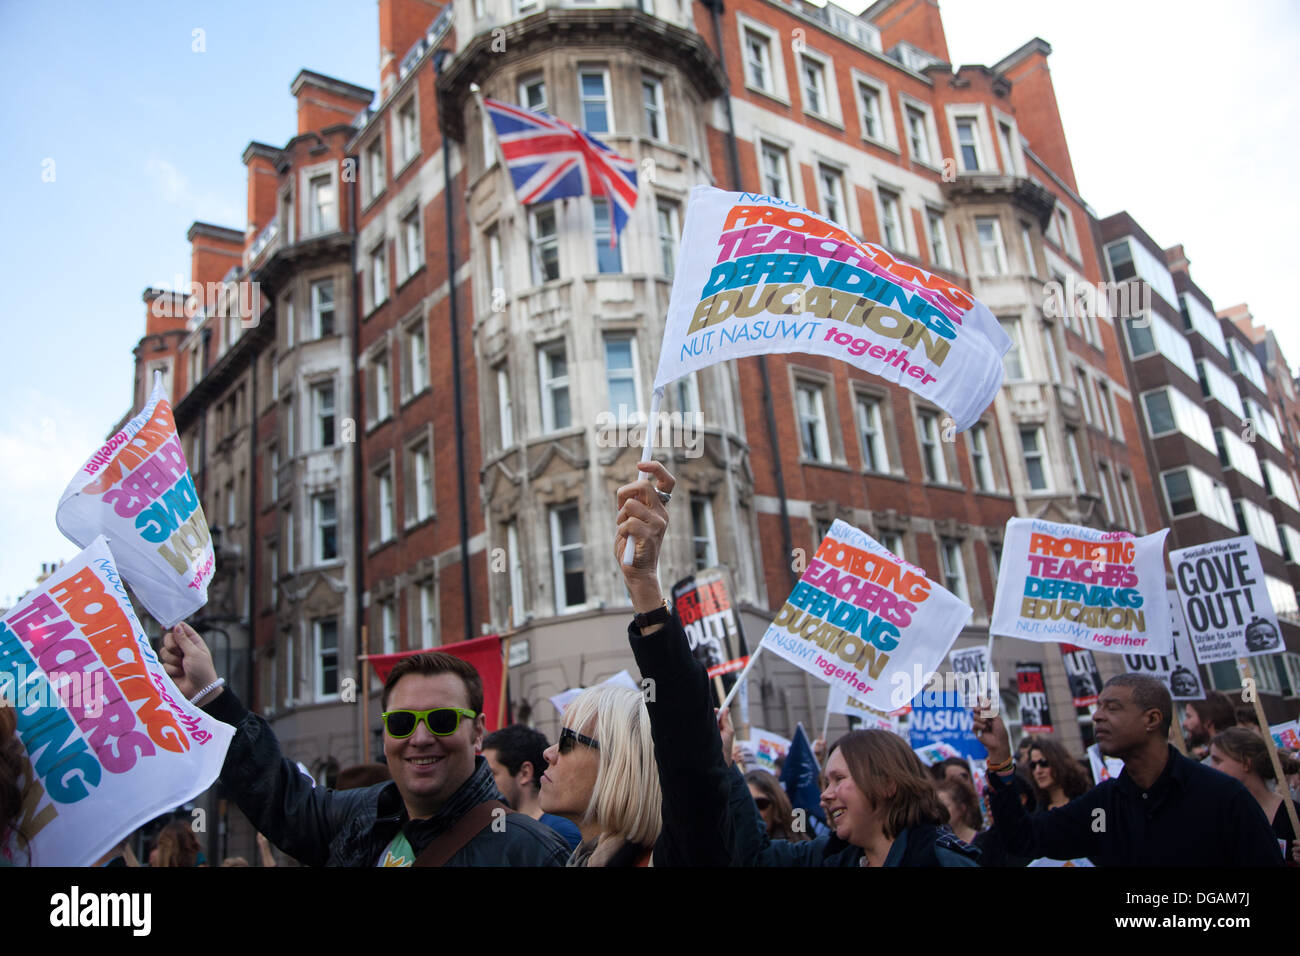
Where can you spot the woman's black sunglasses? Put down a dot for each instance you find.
(569, 736)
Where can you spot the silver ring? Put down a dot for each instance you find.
(664, 496)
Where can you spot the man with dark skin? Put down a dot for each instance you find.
(1162, 810)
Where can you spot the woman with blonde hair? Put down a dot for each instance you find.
(644, 783)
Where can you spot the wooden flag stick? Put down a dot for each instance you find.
(630, 548)
(505, 675)
(1243, 663)
(739, 680)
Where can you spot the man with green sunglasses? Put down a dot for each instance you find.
(441, 808)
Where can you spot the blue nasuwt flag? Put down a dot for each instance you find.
(800, 776)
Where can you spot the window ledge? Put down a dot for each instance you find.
(424, 389)
(376, 307)
(402, 283)
(832, 465)
(871, 141)
(891, 475)
(823, 118)
(368, 203)
(378, 423)
(397, 173)
(945, 486)
(421, 522)
(766, 94)
(374, 547)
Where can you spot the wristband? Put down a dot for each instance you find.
(1003, 767)
(198, 698)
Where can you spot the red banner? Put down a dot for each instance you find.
(484, 653)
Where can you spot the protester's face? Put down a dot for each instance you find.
(954, 772)
(764, 804)
(1042, 773)
(1225, 764)
(954, 812)
(847, 808)
(507, 784)
(570, 779)
(426, 768)
(1192, 726)
(1119, 724)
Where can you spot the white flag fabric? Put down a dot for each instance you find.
(1226, 605)
(864, 620)
(840, 702)
(1062, 583)
(109, 742)
(137, 491)
(758, 275)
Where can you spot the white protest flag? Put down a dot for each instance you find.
(1103, 768)
(137, 491)
(1062, 583)
(860, 618)
(1225, 600)
(758, 275)
(565, 697)
(108, 740)
(768, 748)
(840, 702)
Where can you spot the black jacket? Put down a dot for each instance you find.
(697, 827)
(1191, 816)
(322, 827)
(924, 845)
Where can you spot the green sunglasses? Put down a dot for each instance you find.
(441, 721)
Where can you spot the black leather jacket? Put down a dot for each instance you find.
(322, 827)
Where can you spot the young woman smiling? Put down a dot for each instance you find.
(1058, 777)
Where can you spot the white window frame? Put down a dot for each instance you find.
(884, 111)
(376, 170)
(1012, 160)
(602, 231)
(607, 98)
(1241, 456)
(321, 220)
(931, 135)
(1039, 451)
(772, 151)
(319, 660)
(410, 244)
(385, 524)
(1190, 418)
(829, 86)
(1076, 463)
(950, 554)
(981, 457)
(934, 463)
(937, 231)
(378, 284)
(1017, 353)
(1218, 385)
(974, 119)
(318, 308)
(1280, 478)
(816, 416)
(830, 192)
(871, 432)
(406, 134)
(999, 247)
(541, 244)
(529, 81)
(415, 358)
(516, 563)
(702, 507)
(419, 481)
(505, 408)
(884, 195)
(426, 606)
(1210, 498)
(320, 413)
(388, 635)
(634, 373)
(557, 559)
(772, 60)
(652, 113)
(380, 387)
(550, 386)
(319, 525)
(666, 209)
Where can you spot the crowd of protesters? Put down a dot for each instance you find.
(637, 782)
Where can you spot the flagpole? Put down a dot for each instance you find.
(741, 679)
(628, 550)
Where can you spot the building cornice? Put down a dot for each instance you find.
(332, 85)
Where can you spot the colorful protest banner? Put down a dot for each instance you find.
(970, 663)
(859, 610)
(1034, 715)
(1226, 607)
(703, 605)
(1287, 735)
(1104, 591)
(1082, 673)
(109, 741)
(930, 754)
(760, 275)
(1177, 670)
(943, 717)
(137, 491)
(1103, 768)
(768, 748)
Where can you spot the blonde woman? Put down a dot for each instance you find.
(641, 774)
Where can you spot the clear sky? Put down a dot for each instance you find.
(1182, 112)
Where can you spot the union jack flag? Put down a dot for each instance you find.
(551, 159)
